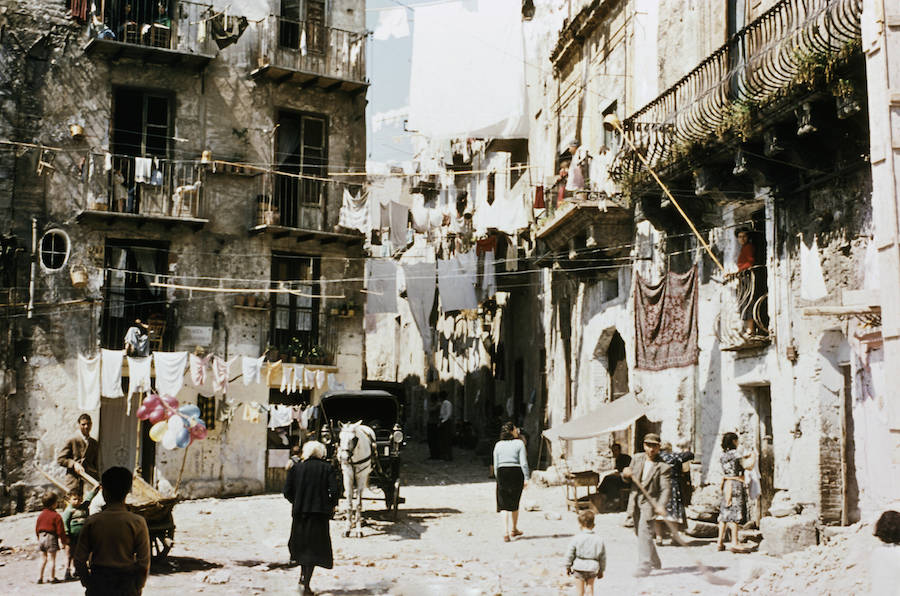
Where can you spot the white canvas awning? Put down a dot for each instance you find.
(615, 415)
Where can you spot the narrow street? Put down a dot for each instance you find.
(447, 540)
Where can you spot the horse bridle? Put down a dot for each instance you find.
(349, 452)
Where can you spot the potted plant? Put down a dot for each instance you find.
(847, 104)
(316, 355)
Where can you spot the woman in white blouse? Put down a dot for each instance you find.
(510, 466)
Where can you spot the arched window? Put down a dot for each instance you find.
(618, 366)
(54, 250)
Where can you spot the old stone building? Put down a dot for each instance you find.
(174, 162)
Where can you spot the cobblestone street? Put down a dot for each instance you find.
(447, 540)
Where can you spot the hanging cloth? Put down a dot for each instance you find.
(812, 282)
(170, 367)
(221, 371)
(273, 372)
(88, 382)
(280, 416)
(111, 373)
(138, 377)
(420, 288)
(199, 366)
(252, 369)
(354, 213)
(251, 414)
(287, 379)
(539, 197)
(309, 378)
(320, 379)
(489, 278)
(665, 321)
(399, 217)
(381, 286)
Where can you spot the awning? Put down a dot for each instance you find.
(615, 415)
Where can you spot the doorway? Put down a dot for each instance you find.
(764, 447)
(849, 486)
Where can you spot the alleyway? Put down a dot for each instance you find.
(446, 541)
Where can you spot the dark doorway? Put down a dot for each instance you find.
(642, 426)
(850, 488)
(618, 367)
(764, 446)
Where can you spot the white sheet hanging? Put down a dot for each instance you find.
(252, 369)
(170, 367)
(138, 377)
(88, 382)
(392, 23)
(381, 286)
(354, 213)
(812, 282)
(111, 373)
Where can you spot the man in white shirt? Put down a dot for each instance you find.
(445, 429)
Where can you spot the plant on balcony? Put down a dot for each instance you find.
(845, 95)
(316, 355)
(738, 119)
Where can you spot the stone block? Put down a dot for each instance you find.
(700, 529)
(704, 513)
(782, 535)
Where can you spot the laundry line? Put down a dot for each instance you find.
(243, 290)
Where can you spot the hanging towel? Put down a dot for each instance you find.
(170, 368)
(252, 369)
(320, 379)
(287, 379)
(539, 197)
(392, 23)
(221, 371)
(138, 377)
(456, 279)
(273, 372)
(309, 378)
(88, 382)
(420, 287)
(143, 167)
(107, 161)
(381, 286)
(111, 373)
(399, 216)
(812, 282)
(354, 213)
(489, 279)
(198, 367)
(251, 414)
(299, 378)
(279, 416)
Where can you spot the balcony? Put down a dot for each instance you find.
(743, 298)
(137, 30)
(793, 49)
(290, 205)
(312, 55)
(127, 188)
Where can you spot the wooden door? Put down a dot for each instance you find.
(764, 448)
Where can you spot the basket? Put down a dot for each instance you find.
(79, 276)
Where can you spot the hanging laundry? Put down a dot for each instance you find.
(143, 167)
(812, 282)
(381, 286)
(456, 279)
(88, 382)
(251, 413)
(334, 384)
(111, 373)
(287, 379)
(309, 378)
(489, 277)
(399, 216)
(485, 244)
(420, 287)
(107, 161)
(577, 167)
(392, 22)
(170, 367)
(137, 341)
(297, 386)
(138, 377)
(665, 321)
(320, 379)
(303, 46)
(252, 369)
(279, 416)
(199, 366)
(79, 10)
(221, 370)
(304, 418)
(354, 213)
(225, 30)
(273, 372)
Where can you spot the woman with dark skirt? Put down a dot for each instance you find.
(511, 470)
(313, 488)
(733, 510)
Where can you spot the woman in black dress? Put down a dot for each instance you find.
(510, 466)
(313, 488)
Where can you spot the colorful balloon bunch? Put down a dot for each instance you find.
(174, 427)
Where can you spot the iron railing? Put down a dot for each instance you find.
(316, 345)
(144, 186)
(744, 295)
(285, 199)
(311, 47)
(752, 71)
(183, 27)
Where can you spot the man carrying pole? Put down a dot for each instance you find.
(650, 488)
(80, 455)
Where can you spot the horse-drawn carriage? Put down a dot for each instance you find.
(362, 432)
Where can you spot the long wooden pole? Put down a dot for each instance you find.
(50, 478)
(181, 471)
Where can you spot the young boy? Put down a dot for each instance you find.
(50, 532)
(586, 557)
(73, 518)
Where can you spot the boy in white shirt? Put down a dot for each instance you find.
(586, 556)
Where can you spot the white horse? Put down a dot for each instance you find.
(355, 452)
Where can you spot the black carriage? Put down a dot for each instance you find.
(379, 410)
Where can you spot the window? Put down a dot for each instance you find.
(295, 316)
(131, 268)
(303, 30)
(141, 123)
(618, 367)
(491, 187)
(300, 148)
(315, 26)
(207, 407)
(611, 137)
(54, 250)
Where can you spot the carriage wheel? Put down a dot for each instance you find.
(161, 543)
(395, 501)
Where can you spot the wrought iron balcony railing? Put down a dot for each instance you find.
(311, 51)
(183, 27)
(289, 201)
(785, 47)
(148, 187)
(743, 319)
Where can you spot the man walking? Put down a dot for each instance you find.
(115, 541)
(445, 429)
(653, 474)
(80, 455)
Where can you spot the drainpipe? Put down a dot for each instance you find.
(33, 267)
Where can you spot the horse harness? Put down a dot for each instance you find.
(373, 454)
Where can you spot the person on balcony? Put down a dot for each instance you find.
(750, 281)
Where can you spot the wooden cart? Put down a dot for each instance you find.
(147, 502)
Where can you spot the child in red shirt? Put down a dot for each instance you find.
(50, 532)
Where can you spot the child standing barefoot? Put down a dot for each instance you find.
(74, 516)
(50, 532)
(586, 557)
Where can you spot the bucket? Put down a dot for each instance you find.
(79, 276)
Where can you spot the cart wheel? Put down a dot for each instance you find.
(161, 543)
(395, 504)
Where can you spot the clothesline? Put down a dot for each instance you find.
(243, 290)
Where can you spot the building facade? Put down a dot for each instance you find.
(175, 163)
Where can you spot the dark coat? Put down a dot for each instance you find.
(87, 453)
(312, 486)
(659, 485)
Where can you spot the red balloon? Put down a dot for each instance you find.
(143, 412)
(151, 401)
(170, 401)
(198, 432)
(158, 414)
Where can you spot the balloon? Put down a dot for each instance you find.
(170, 401)
(158, 414)
(177, 423)
(190, 410)
(151, 401)
(168, 441)
(183, 438)
(143, 412)
(158, 430)
(199, 432)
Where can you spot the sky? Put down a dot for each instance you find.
(389, 63)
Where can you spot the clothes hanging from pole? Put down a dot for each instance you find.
(539, 197)
(111, 373)
(489, 277)
(88, 370)
(273, 372)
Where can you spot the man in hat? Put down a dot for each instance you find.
(653, 474)
(80, 455)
